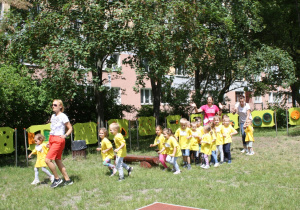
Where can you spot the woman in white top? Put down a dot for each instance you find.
(244, 112)
(59, 123)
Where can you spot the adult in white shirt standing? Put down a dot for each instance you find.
(244, 112)
(59, 123)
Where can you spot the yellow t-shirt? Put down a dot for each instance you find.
(201, 132)
(105, 144)
(119, 140)
(160, 145)
(194, 141)
(227, 130)
(249, 133)
(219, 137)
(40, 151)
(213, 143)
(182, 137)
(206, 144)
(173, 144)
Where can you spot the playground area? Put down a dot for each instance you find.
(266, 180)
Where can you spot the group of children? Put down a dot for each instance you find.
(194, 142)
(191, 141)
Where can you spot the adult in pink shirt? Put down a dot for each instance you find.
(210, 110)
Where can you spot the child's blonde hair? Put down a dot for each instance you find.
(208, 129)
(104, 130)
(115, 126)
(194, 123)
(39, 137)
(160, 127)
(168, 131)
(183, 121)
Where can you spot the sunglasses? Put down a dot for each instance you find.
(55, 105)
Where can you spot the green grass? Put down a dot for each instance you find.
(267, 180)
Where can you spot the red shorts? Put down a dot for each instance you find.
(56, 147)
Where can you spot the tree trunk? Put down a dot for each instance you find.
(156, 91)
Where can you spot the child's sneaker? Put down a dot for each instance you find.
(216, 165)
(229, 161)
(243, 151)
(121, 179)
(35, 182)
(69, 182)
(251, 153)
(130, 170)
(189, 167)
(56, 183)
(177, 172)
(114, 172)
(222, 162)
(52, 178)
(202, 166)
(206, 167)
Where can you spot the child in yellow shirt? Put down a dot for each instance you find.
(159, 141)
(183, 135)
(201, 133)
(194, 142)
(173, 150)
(219, 138)
(41, 151)
(227, 131)
(120, 144)
(206, 142)
(107, 151)
(249, 137)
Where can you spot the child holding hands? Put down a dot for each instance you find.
(249, 137)
(41, 151)
(107, 151)
(173, 149)
(227, 131)
(206, 142)
(120, 143)
(159, 141)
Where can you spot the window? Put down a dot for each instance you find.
(257, 99)
(145, 64)
(180, 70)
(112, 62)
(274, 97)
(146, 97)
(237, 95)
(117, 93)
(290, 99)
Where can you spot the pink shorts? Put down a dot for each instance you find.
(56, 147)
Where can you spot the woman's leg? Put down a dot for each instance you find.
(62, 169)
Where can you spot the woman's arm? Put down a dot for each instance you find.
(69, 130)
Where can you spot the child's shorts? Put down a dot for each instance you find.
(56, 147)
(185, 152)
(249, 143)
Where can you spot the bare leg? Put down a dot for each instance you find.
(62, 169)
(52, 167)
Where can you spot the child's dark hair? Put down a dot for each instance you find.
(208, 129)
(104, 131)
(40, 137)
(168, 131)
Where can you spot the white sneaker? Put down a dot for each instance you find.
(52, 178)
(248, 153)
(35, 182)
(206, 167)
(251, 153)
(114, 172)
(202, 166)
(216, 165)
(177, 172)
(243, 151)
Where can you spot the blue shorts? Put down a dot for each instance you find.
(185, 152)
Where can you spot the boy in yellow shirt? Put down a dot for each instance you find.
(120, 144)
(227, 131)
(194, 142)
(107, 151)
(249, 137)
(183, 135)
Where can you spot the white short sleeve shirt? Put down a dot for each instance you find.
(58, 126)
(242, 112)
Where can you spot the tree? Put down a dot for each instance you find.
(281, 19)
(67, 40)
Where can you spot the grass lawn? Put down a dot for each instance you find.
(267, 180)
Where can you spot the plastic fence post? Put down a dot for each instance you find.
(26, 146)
(16, 145)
